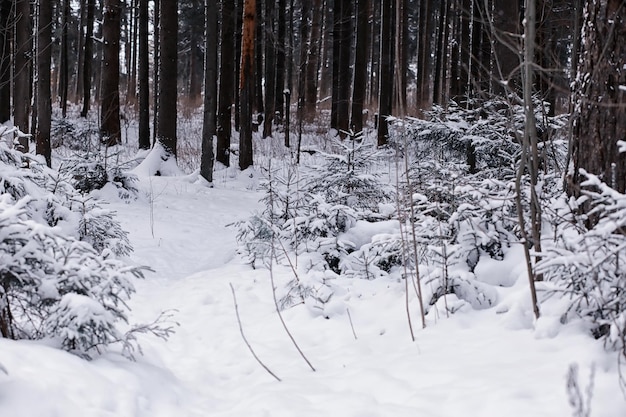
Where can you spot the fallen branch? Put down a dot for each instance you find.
(243, 336)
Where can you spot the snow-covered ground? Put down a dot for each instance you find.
(495, 362)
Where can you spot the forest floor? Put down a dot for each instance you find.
(481, 363)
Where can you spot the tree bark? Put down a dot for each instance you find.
(64, 71)
(385, 98)
(110, 95)
(270, 68)
(88, 58)
(227, 82)
(44, 96)
(144, 77)
(5, 60)
(312, 63)
(210, 90)
(246, 84)
(22, 70)
(600, 113)
(167, 108)
(360, 65)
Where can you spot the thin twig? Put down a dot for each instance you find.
(280, 316)
(243, 336)
(351, 324)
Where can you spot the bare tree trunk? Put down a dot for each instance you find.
(5, 61)
(246, 84)
(157, 69)
(167, 107)
(304, 34)
(600, 111)
(270, 68)
(310, 90)
(110, 103)
(64, 72)
(238, 38)
(360, 65)
(144, 77)
(22, 65)
(280, 60)
(88, 58)
(385, 98)
(210, 90)
(44, 96)
(227, 82)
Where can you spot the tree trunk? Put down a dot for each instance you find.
(88, 58)
(227, 82)
(385, 98)
(167, 109)
(304, 34)
(238, 36)
(5, 60)
(246, 84)
(280, 60)
(157, 69)
(343, 82)
(144, 77)
(22, 69)
(506, 31)
(64, 75)
(110, 102)
(310, 90)
(257, 92)
(360, 65)
(44, 96)
(210, 90)
(600, 115)
(270, 68)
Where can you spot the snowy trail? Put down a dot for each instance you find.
(475, 363)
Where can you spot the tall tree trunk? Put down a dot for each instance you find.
(227, 81)
(210, 90)
(167, 109)
(600, 116)
(5, 60)
(144, 77)
(334, 119)
(312, 64)
(280, 60)
(64, 75)
(238, 37)
(156, 69)
(257, 92)
(440, 58)
(506, 31)
(270, 68)
(342, 83)
(424, 61)
(375, 48)
(131, 91)
(360, 65)
(44, 96)
(385, 98)
(110, 102)
(22, 69)
(87, 76)
(246, 84)
(304, 34)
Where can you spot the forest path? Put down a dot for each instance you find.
(475, 363)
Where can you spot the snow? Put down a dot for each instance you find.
(492, 362)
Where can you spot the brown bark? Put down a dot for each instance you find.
(246, 84)
(110, 95)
